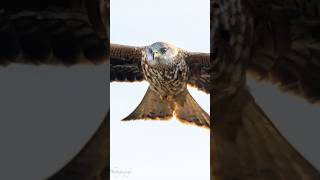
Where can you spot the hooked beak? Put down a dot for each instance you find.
(153, 55)
(156, 54)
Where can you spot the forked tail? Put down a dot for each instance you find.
(183, 106)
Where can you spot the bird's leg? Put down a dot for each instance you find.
(169, 98)
(166, 97)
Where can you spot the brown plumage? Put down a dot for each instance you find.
(277, 40)
(274, 40)
(168, 70)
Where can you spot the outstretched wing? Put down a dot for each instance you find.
(57, 33)
(199, 66)
(125, 66)
(125, 63)
(287, 51)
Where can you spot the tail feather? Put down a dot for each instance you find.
(151, 107)
(183, 106)
(246, 145)
(187, 110)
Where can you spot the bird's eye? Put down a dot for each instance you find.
(163, 50)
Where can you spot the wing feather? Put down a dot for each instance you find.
(199, 66)
(287, 53)
(54, 35)
(125, 63)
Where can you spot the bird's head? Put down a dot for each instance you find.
(161, 53)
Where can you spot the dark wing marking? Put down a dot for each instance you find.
(127, 72)
(287, 51)
(49, 36)
(199, 66)
(125, 63)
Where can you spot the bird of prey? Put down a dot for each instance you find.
(276, 41)
(168, 70)
(273, 40)
(62, 33)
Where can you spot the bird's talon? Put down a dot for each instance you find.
(170, 98)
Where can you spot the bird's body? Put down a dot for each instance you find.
(167, 79)
(168, 82)
(168, 70)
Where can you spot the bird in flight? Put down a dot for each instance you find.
(276, 41)
(168, 70)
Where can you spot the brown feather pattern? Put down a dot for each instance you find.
(287, 48)
(125, 66)
(165, 79)
(257, 36)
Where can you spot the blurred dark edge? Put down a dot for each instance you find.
(92, 162)
(233, 155)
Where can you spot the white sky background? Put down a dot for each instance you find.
(154, 149)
